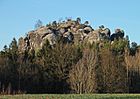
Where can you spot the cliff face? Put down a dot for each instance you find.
(70, 31)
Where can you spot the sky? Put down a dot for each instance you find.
(17, 17)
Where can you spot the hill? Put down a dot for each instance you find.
(69, 31)
(70, 57)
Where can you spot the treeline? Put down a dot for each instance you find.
(70, 68)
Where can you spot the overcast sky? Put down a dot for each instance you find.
(17, 17)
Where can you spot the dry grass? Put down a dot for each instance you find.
(72, 96)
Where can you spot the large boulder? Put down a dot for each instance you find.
(21, 43)
(104, 33)
(69, 31)
(93, 37)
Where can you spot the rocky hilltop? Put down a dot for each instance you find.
(69, 31)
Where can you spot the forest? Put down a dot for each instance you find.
(81, 68)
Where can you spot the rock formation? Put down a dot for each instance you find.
(70, 31)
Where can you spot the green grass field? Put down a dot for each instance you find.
(72, 96)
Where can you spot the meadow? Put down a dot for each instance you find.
(72, 96)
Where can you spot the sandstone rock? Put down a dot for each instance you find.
(94, 36)
(21, 46)
(69, 31)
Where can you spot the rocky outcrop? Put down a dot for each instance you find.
(70, 31)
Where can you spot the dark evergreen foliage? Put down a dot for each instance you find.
(114, 67)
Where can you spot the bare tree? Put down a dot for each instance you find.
(133, 70)
(113, 72)
(82, 77)
(38, 24)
